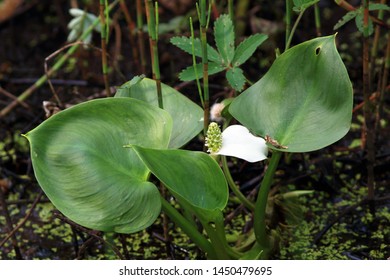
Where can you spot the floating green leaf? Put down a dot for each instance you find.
(304, 101)
(192, 176)
(186, 115)
(80, 162)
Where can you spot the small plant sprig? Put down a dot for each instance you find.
(80, 24)
(226, 57)
(358, 16)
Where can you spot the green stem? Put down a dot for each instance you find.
(382, 90)
(189, 229)
(289, 6)
(140, 35)
(213, 224)
(131, 27)
(152, 19)
(231, 9)
(375, 44)
(317, 16)
(234, 187)
(104, 37)
(194, 63)
(203, 38)
(216, 231)
(261, 203)
(293, 29)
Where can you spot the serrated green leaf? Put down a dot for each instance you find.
(346, 18)
(378, 7)
(247, 47)
(224, 38)
(359, 20)
(236, 78)
(300, 5)
(185, 44)
(188, 74)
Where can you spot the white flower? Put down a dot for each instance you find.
(238, 142)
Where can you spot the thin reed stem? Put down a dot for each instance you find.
(104, 37)
(289, 6)
(203, 38)
(152, 19)
(194, 63)
(131, 26)
(293, 29)
(317, 17)
(140, 35)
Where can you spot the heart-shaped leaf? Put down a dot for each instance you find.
(303, 102)
(80, 162)
(187, 116)
(192, 176)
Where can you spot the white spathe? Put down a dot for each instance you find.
(238, 142)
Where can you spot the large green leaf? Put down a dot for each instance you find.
(187, 116)
(192, 176)
(80, 162)
(304, 101)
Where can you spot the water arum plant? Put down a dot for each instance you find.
(94, 160)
